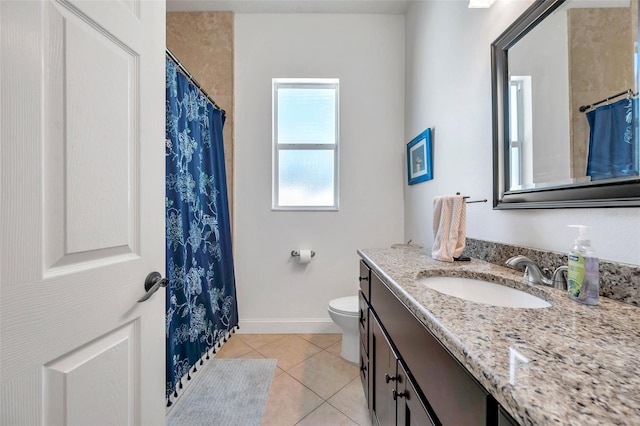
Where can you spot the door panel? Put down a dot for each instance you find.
(411, 410)
(99, 154)
(90, 143)
(384, 364)
(109, 361)
(81, 162)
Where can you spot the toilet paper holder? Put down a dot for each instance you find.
(296, 253)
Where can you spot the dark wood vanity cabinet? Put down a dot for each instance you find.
(410, 378)
(364, 312)
(391, 395)
(395, 400)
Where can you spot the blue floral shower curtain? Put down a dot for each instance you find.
(201, 297)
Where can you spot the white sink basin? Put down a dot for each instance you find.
(480, 291)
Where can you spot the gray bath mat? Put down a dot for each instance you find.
(225, 392)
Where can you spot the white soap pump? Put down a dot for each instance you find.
(583, 283)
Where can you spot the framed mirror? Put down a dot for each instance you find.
(565, 106)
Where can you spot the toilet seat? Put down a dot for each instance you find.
(345, 305)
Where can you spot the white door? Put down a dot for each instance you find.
(82, 211)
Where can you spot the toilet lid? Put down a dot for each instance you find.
(345, 305)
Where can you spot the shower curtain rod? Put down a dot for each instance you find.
(192, 79)
(629, 92)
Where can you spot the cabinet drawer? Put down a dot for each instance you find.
(453, 394)
(363, 319)
(365, 280)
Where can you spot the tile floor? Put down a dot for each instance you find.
(312, 384)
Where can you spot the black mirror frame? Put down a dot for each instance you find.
(619, 193)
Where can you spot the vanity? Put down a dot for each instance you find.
(430, 358)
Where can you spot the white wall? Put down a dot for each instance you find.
(448, 87)
(366, 52)
(543, 55)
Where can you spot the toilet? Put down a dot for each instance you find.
(344, 312)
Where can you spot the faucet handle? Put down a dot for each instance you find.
(527, 274)
(532, 273)
(560, 278)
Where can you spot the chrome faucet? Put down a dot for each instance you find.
(534, 275)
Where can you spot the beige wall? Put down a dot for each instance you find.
(601, 46)
(203, 42)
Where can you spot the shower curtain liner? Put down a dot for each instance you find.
(201, 304)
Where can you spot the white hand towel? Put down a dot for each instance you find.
(449, 227)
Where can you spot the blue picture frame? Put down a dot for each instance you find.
(420, 158)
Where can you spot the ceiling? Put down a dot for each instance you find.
(394, 7)
(290, 6)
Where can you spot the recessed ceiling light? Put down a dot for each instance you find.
(476, 4)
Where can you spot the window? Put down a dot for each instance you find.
(305, 144)
(520, 132)
(516, 130)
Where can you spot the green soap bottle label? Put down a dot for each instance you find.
(576, 274)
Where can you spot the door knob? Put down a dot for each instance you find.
(152, 283)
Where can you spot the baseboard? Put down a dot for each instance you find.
(288, 326)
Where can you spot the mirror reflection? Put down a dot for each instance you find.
(572, 91)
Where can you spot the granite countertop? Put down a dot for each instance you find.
(565, 364)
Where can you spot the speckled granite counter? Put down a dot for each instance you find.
(583, 361)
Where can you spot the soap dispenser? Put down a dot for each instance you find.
(583, 282)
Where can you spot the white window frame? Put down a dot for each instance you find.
(315, 83)
(516, 107)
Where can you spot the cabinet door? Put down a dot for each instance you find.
(411, 409)
(383, 374)
(504, 419)
(364, 378)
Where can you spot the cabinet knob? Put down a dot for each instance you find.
(397, 395)
(363, 278)
(388, 379)
(363, 368)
